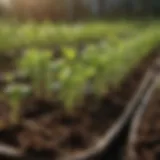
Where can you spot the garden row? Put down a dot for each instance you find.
(72, 76)
(17, 36)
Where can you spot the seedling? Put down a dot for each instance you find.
(74, 84)
(15, 95)
(36, 64)
(69, 53)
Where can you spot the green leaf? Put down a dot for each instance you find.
(69, 53)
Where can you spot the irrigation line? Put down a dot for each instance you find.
(6, 150)
(131, 154)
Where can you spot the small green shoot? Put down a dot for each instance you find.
(36, 64)
(15, 94)
(69, 53)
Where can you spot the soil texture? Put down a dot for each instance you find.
(147, 143)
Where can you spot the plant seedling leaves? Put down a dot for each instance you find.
(69, 53)
(17, 91)
(65, 73)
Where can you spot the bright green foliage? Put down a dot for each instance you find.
(36, 64)
(69, 53)
(74, 83)
(101, 66)
(13, 36)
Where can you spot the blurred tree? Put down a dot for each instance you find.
(81, 9)
(76, 9)
(40, 9)
(138, 7)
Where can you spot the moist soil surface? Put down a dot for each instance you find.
(147, 144)
(47, 131)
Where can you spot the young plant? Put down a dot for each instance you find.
(74, 84)
(37, 64)
(69, 53)
(96, 58)
(15, 94)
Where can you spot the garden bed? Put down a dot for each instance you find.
(48, 131)
(56, 107)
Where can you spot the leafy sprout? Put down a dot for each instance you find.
(15, 94)
(69, 53)
(36, 64)
(73, 84)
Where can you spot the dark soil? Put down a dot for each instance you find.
(47, 131)
(147, 144)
